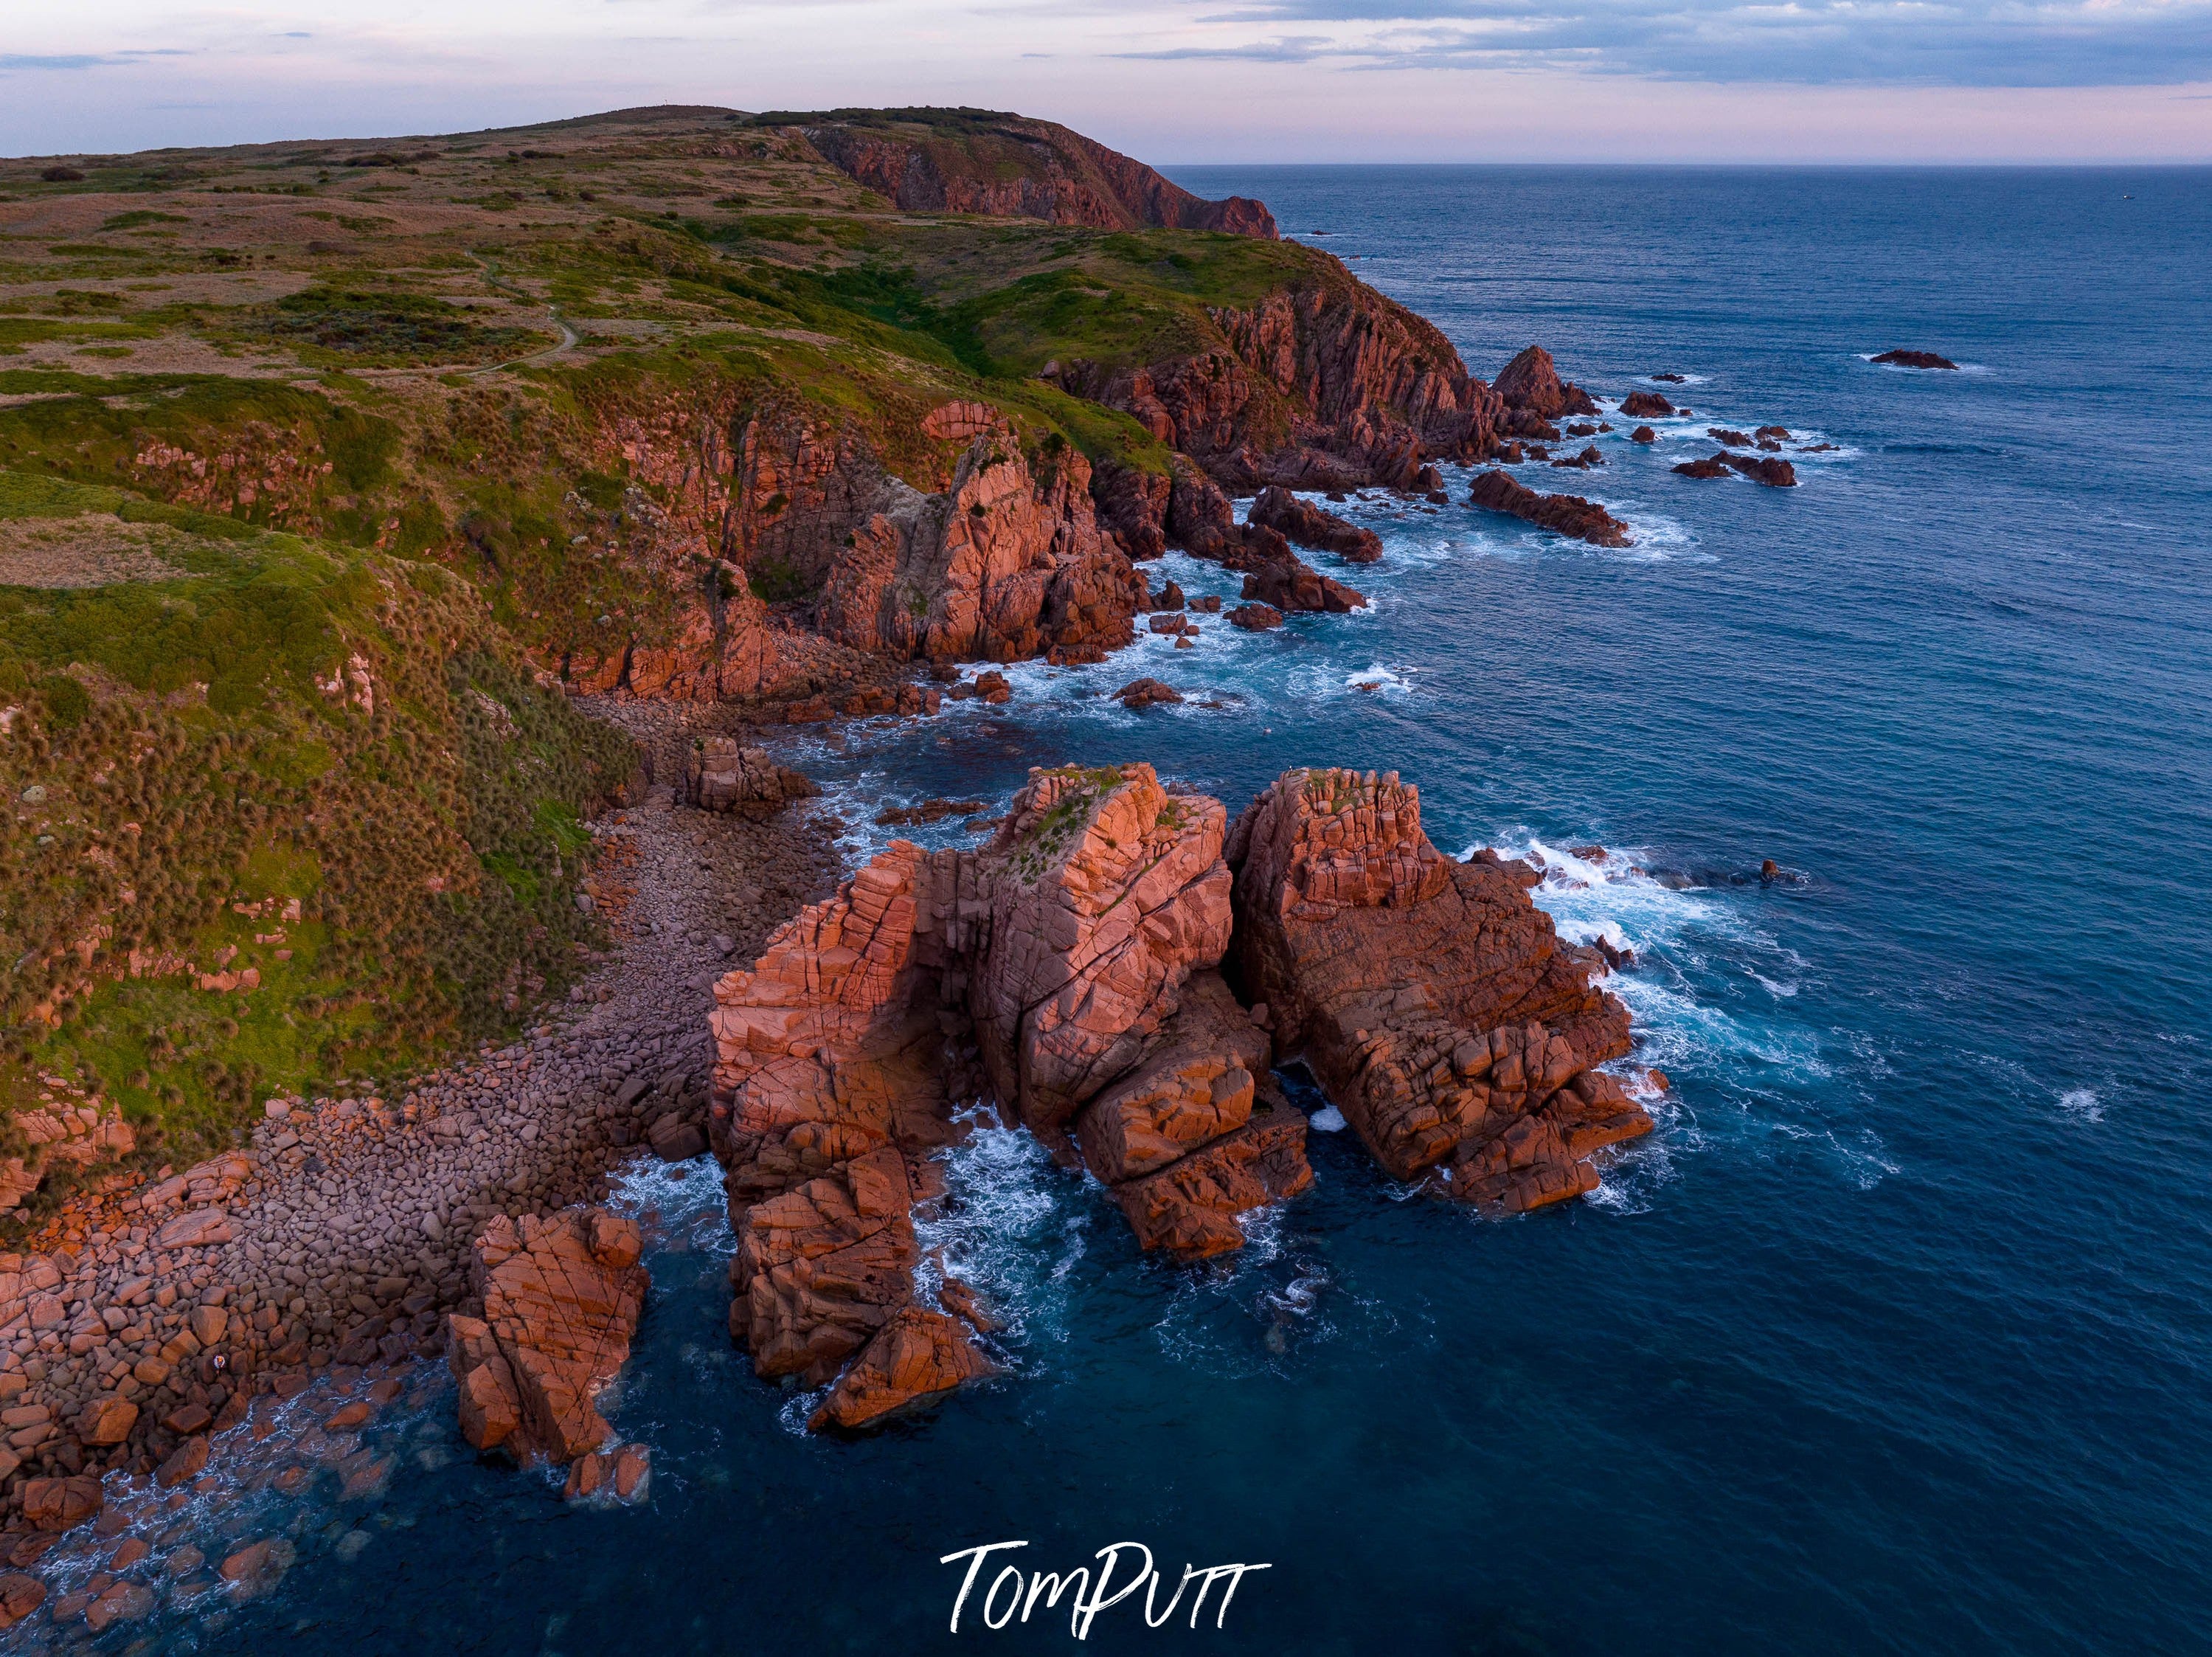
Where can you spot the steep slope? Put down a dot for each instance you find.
(984, 161)
(276, 813)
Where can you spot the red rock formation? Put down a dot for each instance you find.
(1045, 969)
(1288, 583)
(1133, 505)
(1645, 405)
(1255, 618)
(1323, 384)
(1010, 166)
(830, 1048)
(1762, 469)
(1431, 999)
(1567, 514)
(1711, 465)
(821, 1268)
(915, 1359)
(1190, 1207)
(562, 1294)
(1105, 893)
(1303, 524)
(1197, 1133)
(1905, 359)
(1004, 564)
(724, 776)
(1530, 384)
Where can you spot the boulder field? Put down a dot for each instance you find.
(1119, 971)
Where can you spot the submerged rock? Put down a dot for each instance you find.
(1905, 359)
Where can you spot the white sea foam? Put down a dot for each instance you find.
(2082, 1103)
(1328, 1119)
(1689, 944)
(1009, 1225)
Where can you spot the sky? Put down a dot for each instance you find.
(1169, 80)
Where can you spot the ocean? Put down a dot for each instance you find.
(1896, 1335)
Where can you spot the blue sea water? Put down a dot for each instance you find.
(1896, 1335)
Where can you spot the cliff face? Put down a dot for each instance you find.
(1006, 166)
(1005, 561)
(1327, 386)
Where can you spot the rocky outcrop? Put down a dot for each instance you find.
(724, 776)
(1530, 384)
(1131, 505)
(915, 1359)
(1760, 468)
(1905, 359)
(1645, 405)
(1067, 972)
(958, 161)
(1046, 971)
(562, 1294)
(1199, 1132)
(1764, 469)
(1007, 563)
(1325, 384)
(1566, 514)
(1288, 583)
(821, 562)
(1303, 524)
(1201, 519)
(1432, 1001)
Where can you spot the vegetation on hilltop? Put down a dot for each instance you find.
(304, 406)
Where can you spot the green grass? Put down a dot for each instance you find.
(178, 748)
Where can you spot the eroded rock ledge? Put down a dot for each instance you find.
(1071, 972)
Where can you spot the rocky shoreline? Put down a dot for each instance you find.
(159, 1330)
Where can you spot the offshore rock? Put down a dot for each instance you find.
(1303, 524)
(562, 1296)
(1104, 893)
(1566, 515)
(821, 1269)
(1645, 405)
(1432, 1000)
(1288, 583)
(1764, 469)
(1041, 970)
(1905, 359)
(1531, 384)
(915, 1359)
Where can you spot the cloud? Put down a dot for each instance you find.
(1984, 43)
(16, 60)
